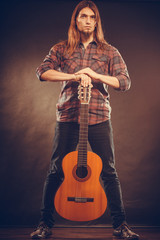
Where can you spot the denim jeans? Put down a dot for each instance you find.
(100, 138)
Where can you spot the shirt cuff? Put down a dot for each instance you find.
(124, 82)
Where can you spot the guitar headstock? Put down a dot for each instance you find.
(84, 94)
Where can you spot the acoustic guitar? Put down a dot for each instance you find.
(81, 196)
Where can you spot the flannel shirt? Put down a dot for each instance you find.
(106, 62)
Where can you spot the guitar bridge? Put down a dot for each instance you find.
(80, 199)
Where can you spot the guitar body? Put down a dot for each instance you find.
(81, 198)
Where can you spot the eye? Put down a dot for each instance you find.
(83, 16)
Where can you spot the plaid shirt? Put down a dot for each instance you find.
(106, 62)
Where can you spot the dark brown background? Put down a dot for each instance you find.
(29, 29)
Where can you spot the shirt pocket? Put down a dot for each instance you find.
(99, 63)
(70, 64)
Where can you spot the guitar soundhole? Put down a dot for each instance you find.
(82, 173)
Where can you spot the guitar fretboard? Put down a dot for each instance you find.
(83, 136)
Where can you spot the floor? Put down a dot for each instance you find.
(74, 233)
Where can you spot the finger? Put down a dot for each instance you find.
(85, 80)
(88, 80)
(83, 71)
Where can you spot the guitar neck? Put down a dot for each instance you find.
(83, 135)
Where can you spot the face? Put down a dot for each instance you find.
(86, 21)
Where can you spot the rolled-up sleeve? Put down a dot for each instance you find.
(51, 61)
(119, 70)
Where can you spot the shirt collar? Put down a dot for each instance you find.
(93, 42)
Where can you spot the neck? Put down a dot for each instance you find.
(86, 39)
(83, 136)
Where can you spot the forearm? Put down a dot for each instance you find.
(55, 76)
(109, 80)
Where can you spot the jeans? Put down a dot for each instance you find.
(100, 138)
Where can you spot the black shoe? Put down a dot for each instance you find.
(124, 232)
(42, 231)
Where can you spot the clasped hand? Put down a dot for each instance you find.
(85, 76)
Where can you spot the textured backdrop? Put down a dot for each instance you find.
(27, 106)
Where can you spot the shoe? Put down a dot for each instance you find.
(41, 232)
(124, 232)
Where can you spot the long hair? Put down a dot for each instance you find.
(73, 32)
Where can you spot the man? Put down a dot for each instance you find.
(88, 59)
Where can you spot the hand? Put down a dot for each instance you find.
(88, 71)
(84, 79)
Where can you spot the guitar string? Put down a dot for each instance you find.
(82, 153)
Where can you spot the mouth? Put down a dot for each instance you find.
(87, 28)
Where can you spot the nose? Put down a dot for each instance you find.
(88, 20)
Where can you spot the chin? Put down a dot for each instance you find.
(87, 32)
